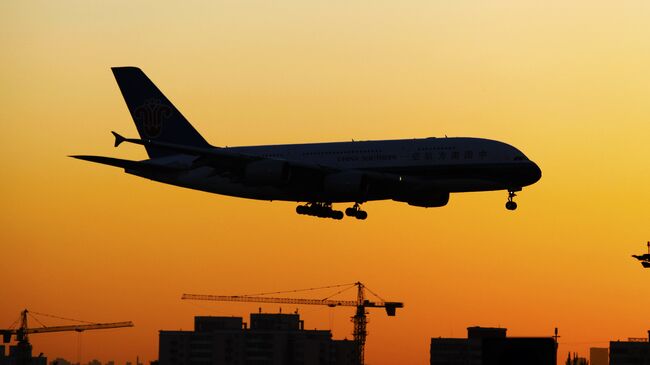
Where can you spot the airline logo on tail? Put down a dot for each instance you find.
(151, 115)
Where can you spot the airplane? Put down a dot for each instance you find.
(420, 172)
(645, 258)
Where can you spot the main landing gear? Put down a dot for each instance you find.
(321, 210)
(324, 210)
(511, 205)
(356, 212)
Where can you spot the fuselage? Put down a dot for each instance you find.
(435, 165)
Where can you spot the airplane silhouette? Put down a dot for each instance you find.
(645, 258)
(421, 172)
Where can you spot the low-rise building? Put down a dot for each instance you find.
(635, 351)
(271, 339)
(487, 346)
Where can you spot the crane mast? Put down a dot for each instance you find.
(359, 319)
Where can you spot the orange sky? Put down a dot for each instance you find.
(566, 82)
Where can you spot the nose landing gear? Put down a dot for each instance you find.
(511, 204)
(356, 212)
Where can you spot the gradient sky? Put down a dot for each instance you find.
(567, 82)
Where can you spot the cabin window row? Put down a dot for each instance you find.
(442, 148)
(442, 155)
(331, 153)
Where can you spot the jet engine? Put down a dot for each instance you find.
(267, 172)
(351, 182)
(425, 200)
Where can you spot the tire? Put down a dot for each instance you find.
(337, 214)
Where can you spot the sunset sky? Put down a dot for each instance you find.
(567, 82)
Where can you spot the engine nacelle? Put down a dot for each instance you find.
(346, 183)
(426, 200)
(267, 172)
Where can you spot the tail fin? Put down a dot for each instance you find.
(154, 115)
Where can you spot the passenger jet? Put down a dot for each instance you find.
(420, 172)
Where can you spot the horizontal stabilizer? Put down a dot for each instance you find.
(125, 164)
(118, 139)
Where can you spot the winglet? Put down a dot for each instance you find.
(118, 139)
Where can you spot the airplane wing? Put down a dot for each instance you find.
(213, 156)
(223, 159)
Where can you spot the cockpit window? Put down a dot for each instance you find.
(520, 158)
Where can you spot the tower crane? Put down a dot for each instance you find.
(24, 348)
(359, 319)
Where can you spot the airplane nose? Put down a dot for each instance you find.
(535, 172)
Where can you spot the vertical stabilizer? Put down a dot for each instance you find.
(155, 117)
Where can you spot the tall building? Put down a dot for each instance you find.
(488, 346)
(635, 351)
(271, 339)
(599, 356)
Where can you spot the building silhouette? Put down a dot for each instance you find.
(16, 355)
(60, 361)
(488, 346)
(635, 351)
(575, 360)
(271, 339)
(599, 356)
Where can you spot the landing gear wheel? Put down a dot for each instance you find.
(511, 205)
(320, 210)
(356, 212)
(302, 209)
(337, 214)
(361, 214)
